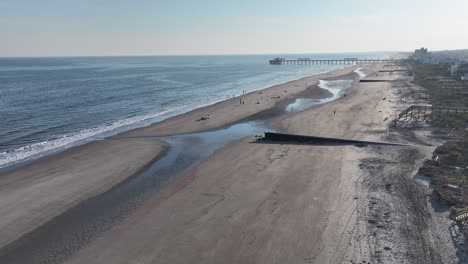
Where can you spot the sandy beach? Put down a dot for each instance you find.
(272, 99)
(254, 202)
(84, 172)
(279, 203)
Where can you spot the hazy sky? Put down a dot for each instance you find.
(156, 27)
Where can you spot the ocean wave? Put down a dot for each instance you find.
(259, 82)
(40, 149)
(212, 94)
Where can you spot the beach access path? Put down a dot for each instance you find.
(267, 203)
(33, 194)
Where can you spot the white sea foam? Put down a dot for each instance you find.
(360, 72)
(45, 147)
(246, 84)
(335, 86)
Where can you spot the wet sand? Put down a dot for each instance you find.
(32, 195)
(280, 203)
(36, 193)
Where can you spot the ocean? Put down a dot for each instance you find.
(49, 104)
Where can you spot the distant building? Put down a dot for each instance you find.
(447, 62)
(460, 70)
(420, 52)
(463, 72)
(454, 70)
(421, 55)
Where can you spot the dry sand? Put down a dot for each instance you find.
(358, 116)
(34, 194)
(249, 203)
(274, 203)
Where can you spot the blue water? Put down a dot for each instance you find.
(48, 104)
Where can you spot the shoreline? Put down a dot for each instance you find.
(241, 204)
(177, 125)
(134, 153)
(134, 126)
(38, 157)
(290, 203)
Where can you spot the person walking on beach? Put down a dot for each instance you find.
(334, 112)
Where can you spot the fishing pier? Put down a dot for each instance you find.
(281, 61)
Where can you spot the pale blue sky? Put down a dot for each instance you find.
(144, 27)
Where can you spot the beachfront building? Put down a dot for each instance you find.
(464, 72)
(449, 62)
(454, 70)
(422, 55)
(461, 71)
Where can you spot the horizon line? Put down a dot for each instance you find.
(181, 55)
